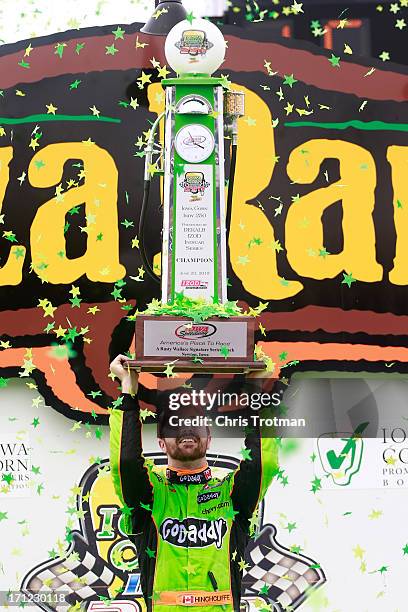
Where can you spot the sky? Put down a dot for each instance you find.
(22, 19)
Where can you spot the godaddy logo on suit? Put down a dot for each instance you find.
(193, 532)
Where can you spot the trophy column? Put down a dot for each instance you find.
(194, 250)
(194, 233)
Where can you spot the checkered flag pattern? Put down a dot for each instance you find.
(287, 574)
(81, 576)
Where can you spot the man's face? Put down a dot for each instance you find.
(188, 443)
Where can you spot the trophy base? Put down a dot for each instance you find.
(194, 347)
(209, 367)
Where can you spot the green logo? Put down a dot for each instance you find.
(341, 457)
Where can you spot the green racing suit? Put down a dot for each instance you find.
(190, 530)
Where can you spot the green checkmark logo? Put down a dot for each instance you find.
(341, 457)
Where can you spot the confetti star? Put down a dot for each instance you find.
(280, 95)
(75, 84)
(169, 370)
(93, 310)
(23, 174)
(139, 44)
(190, 18)
(111, 50)
(316, 484)
(163, 72)
(242, 565)
(95, 111)
(335, 61)
(288, 108)
(79, 48)
(289, 79)
(296, 8)
(394, 8)
(28, 50)
(34, 144)
(134, 103)
(246, 454)
(144, 78)
(400, 24)
(51, 109)
(342, 23)
(348, 279)
(59, 49)
(405, 549)
(384, 56)
(358, 552)
(118, 33)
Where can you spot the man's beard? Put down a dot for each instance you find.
(176, 451)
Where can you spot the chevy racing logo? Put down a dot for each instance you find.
(193, 532)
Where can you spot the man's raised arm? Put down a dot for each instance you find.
(257, 468)
(129, 472)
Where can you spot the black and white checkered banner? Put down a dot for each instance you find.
(287, 576)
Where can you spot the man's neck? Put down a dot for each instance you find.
(195, 464)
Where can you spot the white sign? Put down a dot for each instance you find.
(15, 465)
(206, 339)
(194, 232)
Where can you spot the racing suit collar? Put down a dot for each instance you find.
(200, 476)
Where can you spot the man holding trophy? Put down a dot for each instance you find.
(190, 527)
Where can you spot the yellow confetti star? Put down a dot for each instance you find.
(144, 78)
(95, 111)
(51, 109)
(74, 291)
(34, 144)
(28, 50)
(155, 63)
(141, 271)
(296, 8)
(342, 23)
(49, 310)
(93, 310)
(289, 108)
(163, 72)
(139, 44)
(135, 243)
(36, 401)
(134, 103)
(60, 332)
(358, 552)
(5, 344)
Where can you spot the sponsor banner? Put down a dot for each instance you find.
(170, 339)
(194, 231)
(357, 463)
(15, 465)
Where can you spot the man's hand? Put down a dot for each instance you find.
(128, 378)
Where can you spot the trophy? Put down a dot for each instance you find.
(199, 112)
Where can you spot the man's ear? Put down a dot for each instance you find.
(161, 444)
(208, 442)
